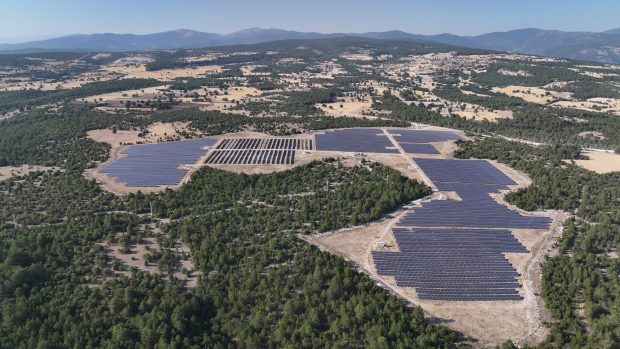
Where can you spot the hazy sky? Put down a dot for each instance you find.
(27, 18)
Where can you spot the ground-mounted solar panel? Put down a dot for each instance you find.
(251, 157)
(419, 148)
(473, 181)
(453, 250)
(357, 140)
(479, 172)
(423, 136)
(266, 143)
(453, 264)
(152, 165)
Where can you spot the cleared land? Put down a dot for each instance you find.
(156, 132)
(139, 71)
(600, 162)
(347, 107)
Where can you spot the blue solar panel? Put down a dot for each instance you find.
(266, 143)
(453, 264)
(423, 136)
(419, 148)
(251, 157)
(151, 165)
(473, 181)
(359, 140)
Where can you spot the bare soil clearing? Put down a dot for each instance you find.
(530, 94)
(600, 162)
(139, 71)
(155, 133)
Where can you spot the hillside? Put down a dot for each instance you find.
(602, 47)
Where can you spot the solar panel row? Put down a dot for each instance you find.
(266, 143)
(419, 148)
(151, 165)
(359, 140)
(423, 136)
(470, 297)
(251, 157)
(479, 172)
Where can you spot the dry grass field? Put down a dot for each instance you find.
(600, 162)
(348, 107)
(156, 132)
(139, 71)
(530, 94)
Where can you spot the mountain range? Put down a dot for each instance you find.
(590, 46)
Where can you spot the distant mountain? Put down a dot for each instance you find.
(601, 47)
(122, 42)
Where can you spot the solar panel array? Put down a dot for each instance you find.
(453, 264)
(423, 136)
(453, 250)
(251, 157)
(151, 165)
(472, 180)
(419, 148)
(266, 143)
(359, 140)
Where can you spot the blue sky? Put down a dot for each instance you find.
(21, 18)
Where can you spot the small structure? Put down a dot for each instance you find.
(379, 244)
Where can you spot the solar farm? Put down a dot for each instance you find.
(453, 264)
(453, 249)
(457, 252)
(166, 164)
(152, 165)
(419, 141)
